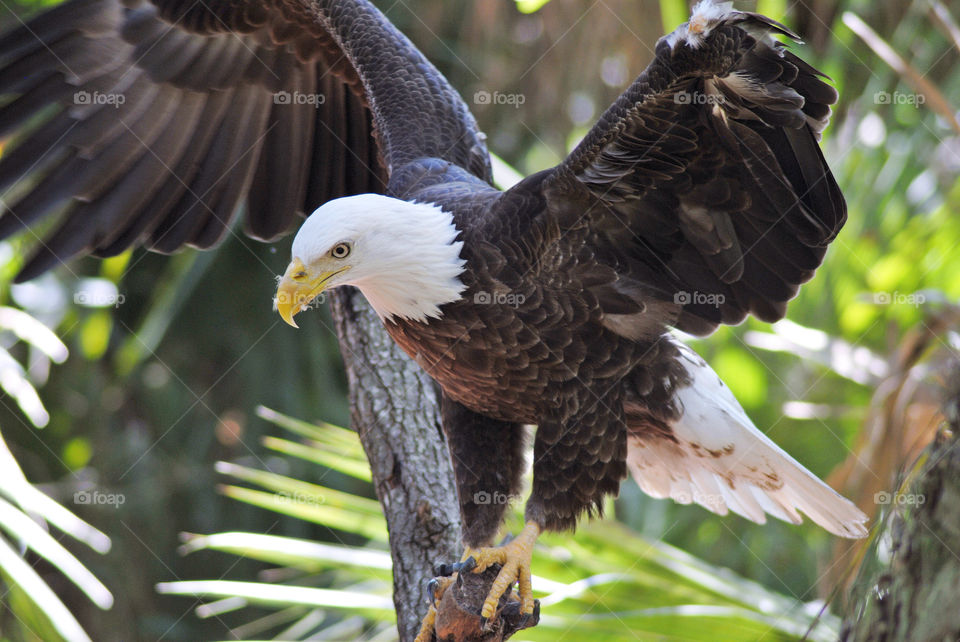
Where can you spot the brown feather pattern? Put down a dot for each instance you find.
(704, 179)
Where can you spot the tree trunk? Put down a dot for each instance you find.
(395, 410)
(914, 595)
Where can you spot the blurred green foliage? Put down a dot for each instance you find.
(164, 383)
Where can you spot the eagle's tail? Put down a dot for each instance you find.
(715, 456)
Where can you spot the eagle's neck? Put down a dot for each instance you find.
(413, 296)
(414, 262)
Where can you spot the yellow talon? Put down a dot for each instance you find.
(515, 560)
(427, 626)
(429, 622)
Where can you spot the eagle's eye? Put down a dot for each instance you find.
(340, 251)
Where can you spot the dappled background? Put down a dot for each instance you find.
(170, 358)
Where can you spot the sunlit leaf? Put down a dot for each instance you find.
(23, 511)
(354, 468)
(289, 551)
(113, 267)
(21, 528)
(530, 6)
(32, 331)
(27, 579)
(95, 334)
(343, 441)
(745, 376)
(673, 13)
(334, 517)
(14, 382)
(279, 595)
(77, 453)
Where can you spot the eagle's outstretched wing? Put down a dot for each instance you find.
(706, 183)
(151, 124)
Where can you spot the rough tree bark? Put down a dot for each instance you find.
(395, 411)
(915, 596)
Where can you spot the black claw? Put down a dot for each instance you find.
(445, 569)
(483, 623)
(529, 618)
(432, 587)
(466, 565)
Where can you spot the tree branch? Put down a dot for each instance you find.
(394, 409)
(914, 595)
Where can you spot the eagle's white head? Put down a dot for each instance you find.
(403, 256)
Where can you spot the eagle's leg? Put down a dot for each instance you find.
(488, 464)
(577, 460)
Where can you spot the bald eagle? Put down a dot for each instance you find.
(700, 197)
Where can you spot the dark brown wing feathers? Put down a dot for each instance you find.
(709, 176)
(736, 203)
(206, 109)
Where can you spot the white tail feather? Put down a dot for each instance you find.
(722, 462)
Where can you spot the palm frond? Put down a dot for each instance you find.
(25, 513)
(605, 583)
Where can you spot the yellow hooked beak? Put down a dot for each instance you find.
(298, 287)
